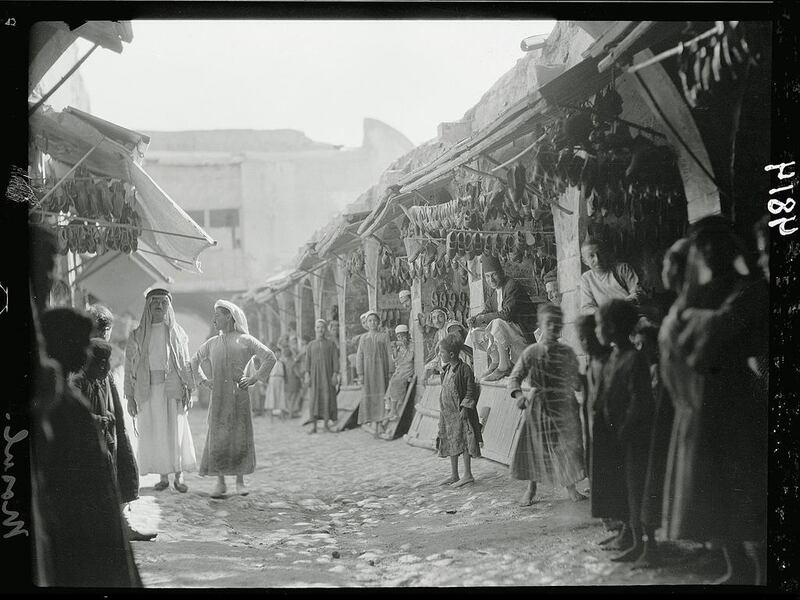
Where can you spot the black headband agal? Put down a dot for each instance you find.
(158, 292)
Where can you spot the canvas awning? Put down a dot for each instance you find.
(50, 39)
(119, 280)
(519, 120)
(73, 137)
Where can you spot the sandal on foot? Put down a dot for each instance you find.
(161, 486)
(462, 482)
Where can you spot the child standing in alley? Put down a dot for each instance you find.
(596, 357)
(646, 341)
(276, 388)
(626, 404)
(258, 391)
(459, 429)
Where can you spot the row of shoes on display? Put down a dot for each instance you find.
(93, 197)
(90, 239)
(450, 300)
(517, 246)
(391, 317)
(439, 267)
(354, 265)
(704, 65)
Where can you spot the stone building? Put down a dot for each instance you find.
(258, 193)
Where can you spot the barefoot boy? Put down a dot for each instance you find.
(459, 430)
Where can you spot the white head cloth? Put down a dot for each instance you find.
(239, 320)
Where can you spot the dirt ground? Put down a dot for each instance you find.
(345, 509)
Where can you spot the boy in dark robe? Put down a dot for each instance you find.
(126, 469)
(92, 381)
(626, 403)
(78, 501)
(646, 342)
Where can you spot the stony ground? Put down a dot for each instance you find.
(344, 509)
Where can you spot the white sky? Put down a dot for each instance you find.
(320, 77)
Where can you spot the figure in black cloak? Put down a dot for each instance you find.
(78, 501)
(715, 487)
(624, 414)
(125, 467)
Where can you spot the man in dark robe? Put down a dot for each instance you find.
(321, 364)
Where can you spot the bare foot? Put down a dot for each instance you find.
(449, 480)
(576, 496)
(463, 481)
(219, 491)
(608, 540)
(649, 558)
(630, 555)
(623, 541)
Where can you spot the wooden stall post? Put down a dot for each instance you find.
(371, 263)
(283, 312)
(340, 277)
(476, 306)
(298, 308)
(262, 330)
(417, 334)
(317, 287)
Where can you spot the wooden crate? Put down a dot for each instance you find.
(395, 429)
(425, 424)
(347, 402)
(502, 426)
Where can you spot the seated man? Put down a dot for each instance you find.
(509, 319)
(605, 280)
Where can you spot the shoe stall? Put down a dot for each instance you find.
(117, 230)
(623, 143)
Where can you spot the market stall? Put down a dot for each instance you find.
(89, 186)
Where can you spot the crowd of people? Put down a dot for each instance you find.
(670, 428)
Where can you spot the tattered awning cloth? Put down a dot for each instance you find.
(74, 138)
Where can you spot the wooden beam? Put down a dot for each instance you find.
(340, 275)
(616, 53)
(298, 309)
(371, 267)
(600, 45)
(417, 335)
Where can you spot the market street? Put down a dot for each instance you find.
(348, 510)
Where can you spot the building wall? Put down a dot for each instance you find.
(283, 185)
(199, 189)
